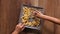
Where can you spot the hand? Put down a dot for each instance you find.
(19, 27)
(37, 13)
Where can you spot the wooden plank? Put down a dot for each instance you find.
(57, 15)
(9, 16)
(48, 5)
(52, 9)
(34, 3)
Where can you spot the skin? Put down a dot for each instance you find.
(19, 28)
(49, 18)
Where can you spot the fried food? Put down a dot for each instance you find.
(27, 14)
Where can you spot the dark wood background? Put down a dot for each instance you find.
(9, 15)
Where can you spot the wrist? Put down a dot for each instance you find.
(17, 31)
(41, 16)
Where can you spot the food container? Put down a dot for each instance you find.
(28, 19)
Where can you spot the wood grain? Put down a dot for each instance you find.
(10, 9)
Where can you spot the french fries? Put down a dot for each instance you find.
(27, 13)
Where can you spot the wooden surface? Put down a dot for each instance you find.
(10, 9)
(57, 15)
(49, 10)
(8, 16)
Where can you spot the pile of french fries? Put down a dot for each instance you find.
(27, 14)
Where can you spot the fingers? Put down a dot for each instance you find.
(21, 25)
(23, 28)
(34, 12)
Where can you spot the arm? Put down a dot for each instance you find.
(15, 32)
(18, 29)
(52, 19)
(40, 15)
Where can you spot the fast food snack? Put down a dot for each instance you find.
(28, 19)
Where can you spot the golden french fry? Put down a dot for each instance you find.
(27, 13)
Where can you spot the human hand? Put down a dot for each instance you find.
(19, 27)
(37, 13)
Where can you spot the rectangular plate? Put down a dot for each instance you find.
(37, 8)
